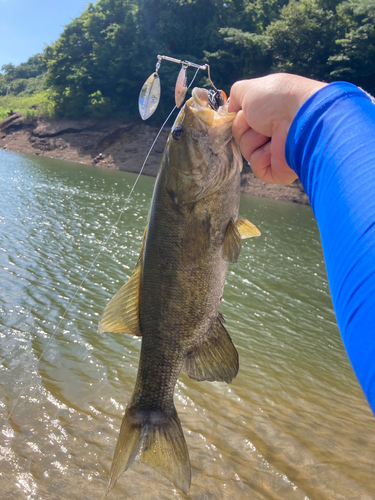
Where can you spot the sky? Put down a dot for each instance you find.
(26, 26)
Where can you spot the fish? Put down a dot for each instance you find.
(172, 299)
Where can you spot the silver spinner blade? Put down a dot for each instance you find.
(149, 96)
(181, 88)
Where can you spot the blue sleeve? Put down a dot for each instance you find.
(331, 147)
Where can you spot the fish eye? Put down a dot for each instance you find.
(177, 133)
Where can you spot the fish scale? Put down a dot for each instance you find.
(173, 296)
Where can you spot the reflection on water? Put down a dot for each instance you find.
(294, 423)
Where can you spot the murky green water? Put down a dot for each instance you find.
(294, 423)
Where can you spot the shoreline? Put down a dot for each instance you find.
(116, 145)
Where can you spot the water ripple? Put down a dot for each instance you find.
(293, 425)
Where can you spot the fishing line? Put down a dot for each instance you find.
(102, 246)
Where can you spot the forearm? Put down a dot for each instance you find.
(331, 147)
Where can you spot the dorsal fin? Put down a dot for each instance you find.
(121, 314)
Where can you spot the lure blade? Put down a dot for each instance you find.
(181, 88)
(149, 96)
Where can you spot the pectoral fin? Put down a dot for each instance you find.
(236, 231)
(216, 359)
(246, 228)
(121, 315)
(232, 243)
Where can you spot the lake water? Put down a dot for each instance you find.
(293, 425)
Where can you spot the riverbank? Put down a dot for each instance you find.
(116, 145)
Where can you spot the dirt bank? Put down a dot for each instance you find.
(116, 145)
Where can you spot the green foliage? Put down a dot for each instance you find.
(246, 55)
(38, 104)
(355, 56)
(100, 61)
(98, 105)
(22, 86)
(303, 39)
(325, 40)
(31, 114)
(34, 67)
(23, 80)
(95, 53)
(4, 112)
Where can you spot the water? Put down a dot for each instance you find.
(294, 423)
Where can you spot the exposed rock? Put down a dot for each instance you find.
(8, 120)
(116, 145)
(252, 185)
(54, 128)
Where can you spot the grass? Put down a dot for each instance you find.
(22, 104)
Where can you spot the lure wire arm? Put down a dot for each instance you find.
(188, 63)
(150, 93)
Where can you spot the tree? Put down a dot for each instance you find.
(246, 55)
(101, 60)
(355, 57)
(243, 50)
(9, 71)
(303, 39)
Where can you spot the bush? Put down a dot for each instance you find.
(23, 104)
(98, 106)
(31, 114)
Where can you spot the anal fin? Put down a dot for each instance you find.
(215, 359)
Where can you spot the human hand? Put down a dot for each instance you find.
(266, 108)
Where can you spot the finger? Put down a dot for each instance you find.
(260, 163)
(250, 141)
(236, 95)
(270, 166)
(240, 126)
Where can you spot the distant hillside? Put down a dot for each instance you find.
(23, 88)
(100, 61)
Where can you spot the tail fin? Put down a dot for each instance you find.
(158, 439)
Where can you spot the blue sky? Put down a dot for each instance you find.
(27, 25)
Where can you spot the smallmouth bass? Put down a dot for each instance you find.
(172, 299)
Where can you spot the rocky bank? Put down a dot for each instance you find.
(117, 145)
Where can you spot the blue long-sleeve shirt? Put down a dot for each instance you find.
(331, 147)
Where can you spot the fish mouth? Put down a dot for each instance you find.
(200, 105)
